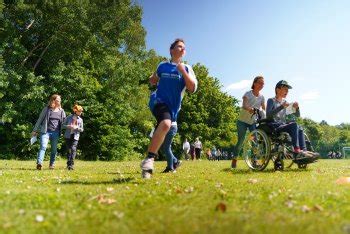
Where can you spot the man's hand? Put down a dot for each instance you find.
(296, 105)
(153, 79)
(251, 110)
(181, 68)
(34, 133)
(285, 104)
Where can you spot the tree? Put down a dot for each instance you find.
(55, 47)
(209, 113)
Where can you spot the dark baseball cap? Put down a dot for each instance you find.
(283, 83)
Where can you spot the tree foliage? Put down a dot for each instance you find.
(209, 113)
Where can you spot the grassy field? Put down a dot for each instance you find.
(202, 197)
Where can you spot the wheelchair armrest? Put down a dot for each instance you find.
(259, 121)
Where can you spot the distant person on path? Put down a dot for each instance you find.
(277, 111)
(252, 100)
(214, 153)
(74, 126)
(172, 79)
(198, 148)
(208, 153)
(192, 152)
(186, 149)
(218, 154)
(49, 125)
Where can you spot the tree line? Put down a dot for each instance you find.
(93, 53)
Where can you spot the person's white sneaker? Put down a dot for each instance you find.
(147, 167)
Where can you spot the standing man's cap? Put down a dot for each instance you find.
(283, 83)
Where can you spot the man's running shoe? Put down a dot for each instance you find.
(147, 167)
(177, 164)
(169, 170)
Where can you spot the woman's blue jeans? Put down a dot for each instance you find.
(166, 147)
(44, 140)
(241, 131)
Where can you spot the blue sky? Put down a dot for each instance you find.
(306, 43)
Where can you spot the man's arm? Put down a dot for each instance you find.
(190, 80)
(153, 79)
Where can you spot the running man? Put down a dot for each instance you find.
(172, 79)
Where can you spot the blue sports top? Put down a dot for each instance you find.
(171, 87)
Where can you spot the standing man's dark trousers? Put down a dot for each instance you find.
(198, 152)
(71, 145)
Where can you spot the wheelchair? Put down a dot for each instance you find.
(264, 144)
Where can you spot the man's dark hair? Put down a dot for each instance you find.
(177, 40)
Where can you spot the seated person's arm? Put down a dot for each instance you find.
(270, 111)
(296, 106)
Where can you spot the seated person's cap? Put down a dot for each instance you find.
(283, 83)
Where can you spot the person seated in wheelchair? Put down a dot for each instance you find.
(278, 111)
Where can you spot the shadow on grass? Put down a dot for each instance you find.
(114, 181)
(18, 169)
(121, 173)
(269, 170)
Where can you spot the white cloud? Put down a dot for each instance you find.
(311, 95)
(243, 84)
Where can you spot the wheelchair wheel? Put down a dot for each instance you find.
(288, 157)
(309, 146)
(256, 150)
(278, 163)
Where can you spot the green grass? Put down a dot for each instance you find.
(184, 202)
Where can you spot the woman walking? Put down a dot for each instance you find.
(49, 125)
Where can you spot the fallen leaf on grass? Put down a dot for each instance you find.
(62, 214)
(6, 225)
(305, 209)
(343, 180)
(346, 228)
(221, 207)
(317, 208)
(118, 214)
(223, 193)
(253, 181)
(21, 211)
(110, 189)
(178, 190)
(189, 190)
(289, 203)
(39, 218)
(103, 200)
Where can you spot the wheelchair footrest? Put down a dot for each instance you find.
(306, 160)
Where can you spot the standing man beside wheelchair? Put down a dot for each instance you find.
(276, 110)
